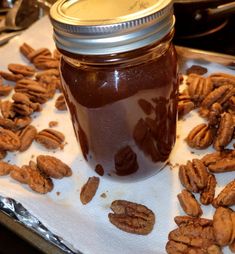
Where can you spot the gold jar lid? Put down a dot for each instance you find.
(95, 27)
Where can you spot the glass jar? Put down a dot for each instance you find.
(120, 84)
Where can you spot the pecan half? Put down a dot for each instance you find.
(199, 89)
(23, 105)
(215, 114)
(7, 109)
(50, 138)
(146, 106)
(186, 220)
(5, 90)
(194, 238)
(225, 132)
(53, 167)
(89, 189)
(193, 175)
(220, 162)
(189, 204)
(38, 53)
(223, 225)
(9, 141)
(10, 76)
(200, 137)
(220, 79)
(125, 161)
(48, 73)
(131, 217)
(25, 70)
(219, 95)
(208, 193)
(40, 182)
(26, 50)
(45, 62)
(21, 175)
(227, 196)
(60, 103)
(185, 105)
(197, 69)
(27, 136)
(6, 168)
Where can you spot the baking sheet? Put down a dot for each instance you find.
(87, 228)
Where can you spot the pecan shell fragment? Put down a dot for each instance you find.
(89, 189)
(131, 217)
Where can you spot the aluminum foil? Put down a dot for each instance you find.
(16, 211)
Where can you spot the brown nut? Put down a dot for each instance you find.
(27, 136)
(185, 105)
(200, 137)
(51, 139)
(9, 141)
(6, 168)
(220, 79)
(53, 167)
(208, 193)
(186, 220)
(193, 175)
(60, 103)
(131, 217)
(227, 196)
(10, 76)
(223, 226)
(146, 106)
(26, 50)
(199, 89)
(25, 70)
(196, 69)
(5, 90)
(21, 175)
(7, 109)
(215, 114)
(89, 189)
(225, 131)
(189, 204)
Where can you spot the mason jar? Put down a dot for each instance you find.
(119, 77)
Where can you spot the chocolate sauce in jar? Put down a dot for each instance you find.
(119, 79)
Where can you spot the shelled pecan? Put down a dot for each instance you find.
(89, 189)
(193, 175)
(53, 167)
(11, 76)
(208, 193)
(9, 141)
(48, 73)
(23, 105)
(220, 79)
(185, 105)
(215, 114)
(32, 56)
(45, 62)
(187, 220)
(200, 137)
(60, 103)
(25, 70)
(225, 131)
(6, 168)
(219, 162)
(192, 238)
(227, 196)
(220, 95)
(40, 182)
(199, 88)
(189, 204)
(33, 90)
(5, 90)
(22, 174)
(50, 138)
(131, 217)
(26, 50)
(7, 109)
(224, 226)
(27, 136)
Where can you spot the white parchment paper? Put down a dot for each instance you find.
(87, 227)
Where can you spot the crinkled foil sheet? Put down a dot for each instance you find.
(16, 211)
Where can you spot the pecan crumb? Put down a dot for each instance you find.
(53, 124)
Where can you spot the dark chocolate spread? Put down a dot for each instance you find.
(124, 116)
